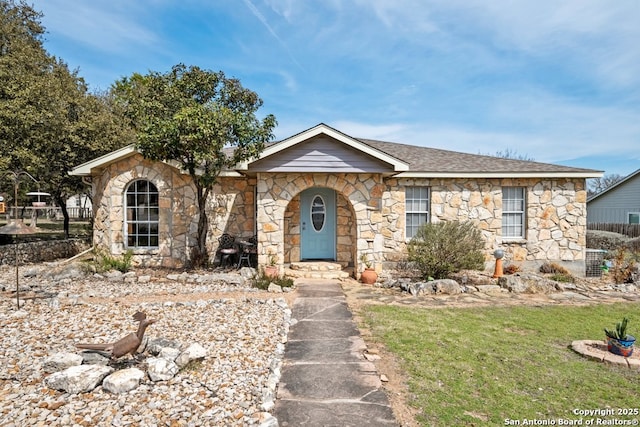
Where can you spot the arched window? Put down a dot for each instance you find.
(141, 215)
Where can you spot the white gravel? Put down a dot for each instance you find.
(243, 331)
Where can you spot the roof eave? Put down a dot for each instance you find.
(585, 175)
(85, 168)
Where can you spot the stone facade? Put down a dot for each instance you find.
(178, 211)
(555, 216)
(555, 219)
(370, 214)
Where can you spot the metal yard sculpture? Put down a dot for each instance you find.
(127, 345)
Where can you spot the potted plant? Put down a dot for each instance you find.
(369, 275)
(271, 269)
(619, 342)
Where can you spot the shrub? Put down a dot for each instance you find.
(606, 240)
(633, 245)
(443, 248)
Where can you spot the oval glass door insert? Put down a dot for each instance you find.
(318, 213)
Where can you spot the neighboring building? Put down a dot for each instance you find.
(618, 204)
(79, 206)
(322, 194)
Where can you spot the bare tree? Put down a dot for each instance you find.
(511, 154)
(598, 185)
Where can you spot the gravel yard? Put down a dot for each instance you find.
(242, 329)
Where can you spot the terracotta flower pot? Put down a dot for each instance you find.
(622, 348)
(369, 276)
(271, 271)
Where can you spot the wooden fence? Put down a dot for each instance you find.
(630, 230)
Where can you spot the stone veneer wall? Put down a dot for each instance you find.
(556, 223)
(370, 208)
(358, 206)
(230, 207)
(177, 210)
(231, 210)
(555, 216)
(41, 251)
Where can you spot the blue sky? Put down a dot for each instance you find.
(556, 81)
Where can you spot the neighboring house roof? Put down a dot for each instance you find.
(403, 160)
(616, 185)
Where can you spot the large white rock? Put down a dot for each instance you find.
(78, 379)
(61, 361)
(193, 352)
(123, 380)
(160, 369)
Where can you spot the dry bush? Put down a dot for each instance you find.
(625, 266)
(512, 269)
(606, 240)
(553, 268)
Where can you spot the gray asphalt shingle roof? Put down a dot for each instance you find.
(426, 159)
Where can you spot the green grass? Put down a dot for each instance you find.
(480, 367)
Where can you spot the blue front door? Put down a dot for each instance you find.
(318, 224)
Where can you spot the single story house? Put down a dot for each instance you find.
(618, 204)
(324, 195)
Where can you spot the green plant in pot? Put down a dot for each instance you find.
(619, 342)
(271, 269)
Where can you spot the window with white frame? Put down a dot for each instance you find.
(513, 212)
(417, 203)
(141, 215)
(633, 218)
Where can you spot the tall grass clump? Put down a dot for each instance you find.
(106, 262)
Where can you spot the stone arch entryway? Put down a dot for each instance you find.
(345, 230)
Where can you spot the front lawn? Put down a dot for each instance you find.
(507, 366)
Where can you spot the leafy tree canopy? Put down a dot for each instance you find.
(49, 123)
(199, 118)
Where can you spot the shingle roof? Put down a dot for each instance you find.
(426, 159)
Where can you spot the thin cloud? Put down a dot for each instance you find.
(101, 26)
(254, 10)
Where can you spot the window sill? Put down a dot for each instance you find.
(514, 240)
(143, 251)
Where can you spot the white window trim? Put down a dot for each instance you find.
(126, 221)
(407, 211)
(629, 215)
(522, 212)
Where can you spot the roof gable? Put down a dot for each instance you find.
(331, 146)
(321, 153)
(612, 189)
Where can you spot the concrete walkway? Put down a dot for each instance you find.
(325, 379)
